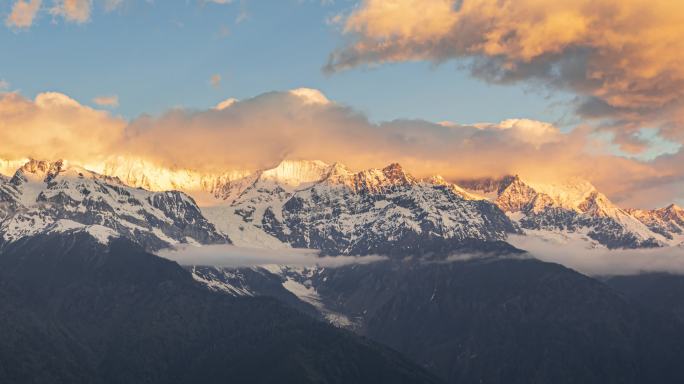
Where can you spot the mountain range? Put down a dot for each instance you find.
(485, 320)
(43, 197)
(76, 310)
(310, 204)
(452, 299)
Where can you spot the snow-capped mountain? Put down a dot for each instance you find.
(44, 197)
(139, 173)
(312, 204)
(376, 211)
(668, 222)
(574, 207)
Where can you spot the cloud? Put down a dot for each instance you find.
(232, 256)
(111, 5)
(225, 104)
(621, 57)
(260, 132)
(107, 101)
(54, 126)
(532, 132)
(310, 96)
(215, 80)
(601, 261)
(76, 11)
(23, 13)
(4, 85)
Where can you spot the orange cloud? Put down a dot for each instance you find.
(23, 13)
(215, 80)
(262, 131)
(54, 126)
(107, 101)
(304, 124)
(77, 11)
(624, 57)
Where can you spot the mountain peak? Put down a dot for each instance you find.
(437, 180)
(37, 170)
(672, 212)
(395, 173)
(394, 167)
(297, 172)
(674, 208)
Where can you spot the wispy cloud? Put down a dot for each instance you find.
(23, 13)
(602, 261)
(111, 5)
(75, 11)
(227, 103)
(232, 256)
(215, 80)
(107, 101)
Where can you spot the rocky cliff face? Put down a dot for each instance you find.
(377, 211)
(575, 207)
(44, 197)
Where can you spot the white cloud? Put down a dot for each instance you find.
(601, 261)
(310, 96)
(227, 103)
(232, 256)
(533, 132)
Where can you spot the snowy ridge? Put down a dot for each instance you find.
(140, 173)
(231, 282)
(55, 196)
(275, 281)
(100, 233)
(571, 207)
(386, 211)
(296, 173)
(668, 221)
(312, 204)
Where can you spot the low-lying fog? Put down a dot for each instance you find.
(233, 256)
(575, 255)
(602, 261)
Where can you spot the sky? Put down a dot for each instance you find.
(159, 55)
(463, 88)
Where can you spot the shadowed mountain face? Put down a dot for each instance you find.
(507, 321)
(495, 320)
(659, 292)
(75, 311)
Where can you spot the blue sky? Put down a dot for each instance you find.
(159, 55)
